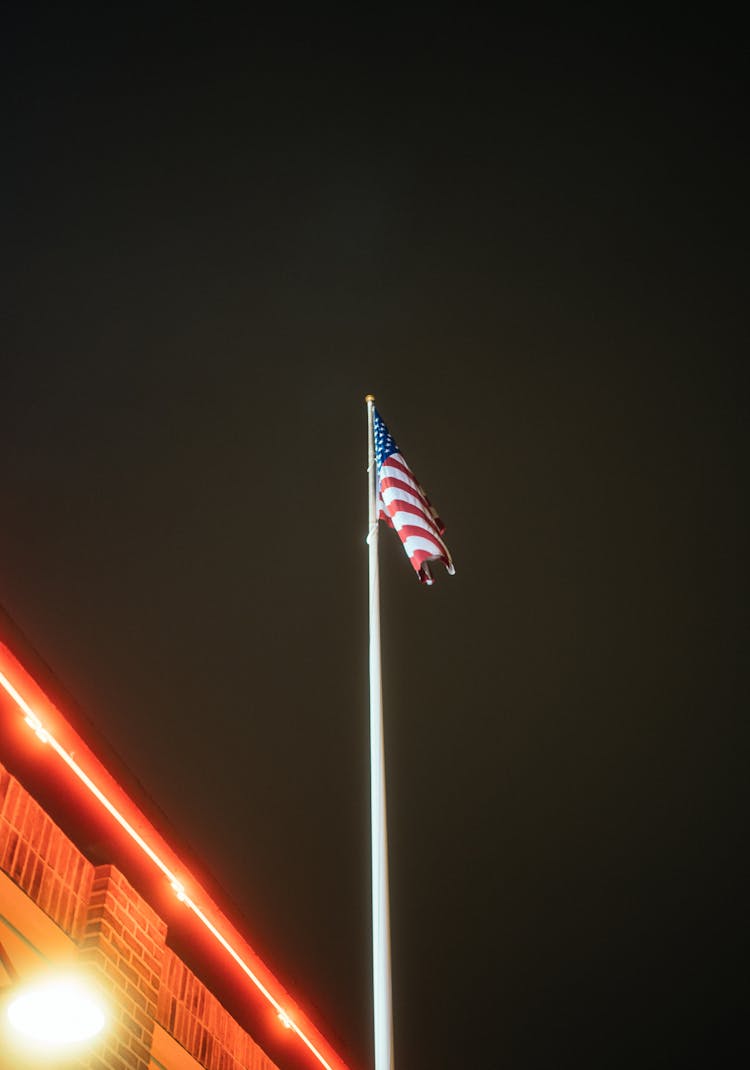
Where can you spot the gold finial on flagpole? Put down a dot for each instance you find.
(369, 397)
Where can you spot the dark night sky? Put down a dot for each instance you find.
(527, 239)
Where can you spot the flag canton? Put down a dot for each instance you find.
(384, 443)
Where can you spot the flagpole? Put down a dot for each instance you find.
(381, 936)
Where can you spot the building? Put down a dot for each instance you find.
(90, 879)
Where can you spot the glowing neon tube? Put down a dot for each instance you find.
(44, 734)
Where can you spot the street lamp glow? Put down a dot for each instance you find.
(309, 1035)
(56, 1012)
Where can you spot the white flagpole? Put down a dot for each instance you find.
(381, 934)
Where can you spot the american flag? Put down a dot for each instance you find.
(405, 507)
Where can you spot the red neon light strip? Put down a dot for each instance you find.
(45, 736)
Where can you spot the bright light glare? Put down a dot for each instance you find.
(33, 721)
(56, 1012)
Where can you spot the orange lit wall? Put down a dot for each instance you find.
(58, 909)
(99, 858)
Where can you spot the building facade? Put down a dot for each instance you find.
(57, 908)
(90, 881)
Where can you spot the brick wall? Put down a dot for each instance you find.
(121, 944)
(41, 860)
(197, 1020)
